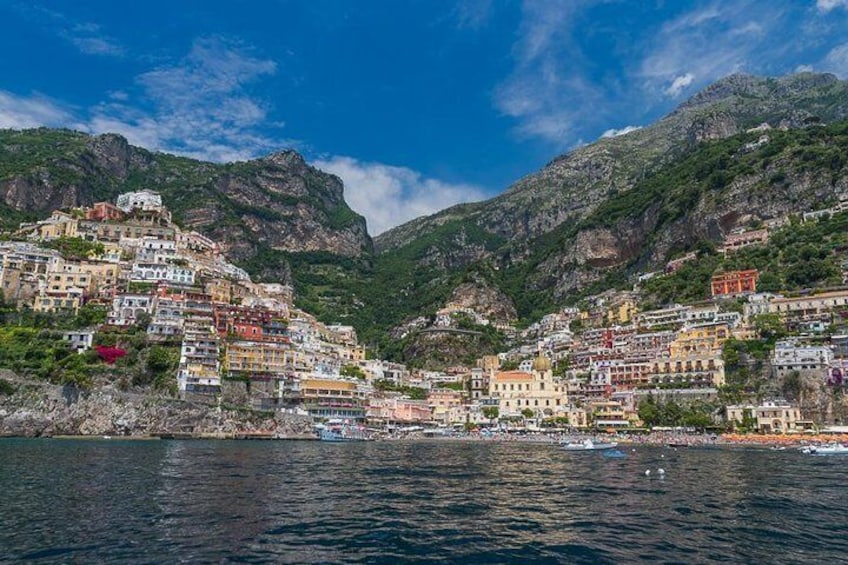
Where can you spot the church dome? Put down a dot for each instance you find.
(542, 364)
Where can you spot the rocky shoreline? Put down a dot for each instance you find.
(30, 408)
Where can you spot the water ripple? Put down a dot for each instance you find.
(416, 502)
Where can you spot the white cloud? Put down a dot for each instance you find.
(21, 112)
(623, 131)
(825, 6)
(198, 106)
(546, 96)
(473, 14)
(713, 42)
(678, 84)
(89, 39)
(388, 195)
(804, 69)
(836, 61)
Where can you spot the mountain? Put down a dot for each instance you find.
(278, 202)
(589, 220)
(598, 213)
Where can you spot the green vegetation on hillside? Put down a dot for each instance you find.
(798, 256)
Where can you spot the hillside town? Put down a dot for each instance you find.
(600, 366)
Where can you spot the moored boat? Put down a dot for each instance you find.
(829, 449)
(342, 433)
(588, 445)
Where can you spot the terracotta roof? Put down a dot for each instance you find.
(513, 376)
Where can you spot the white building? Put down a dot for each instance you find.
(146, 200)
(673, 315)
(126, 308)
(80, 340)
(809, 360)
(155, 272)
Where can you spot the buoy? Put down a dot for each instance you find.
(648, 473)
(661, 471)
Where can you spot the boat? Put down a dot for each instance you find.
(342, 433)
(588, 445)
(829, 449)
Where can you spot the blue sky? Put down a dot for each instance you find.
(417, 105)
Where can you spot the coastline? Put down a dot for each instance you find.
(655, 440)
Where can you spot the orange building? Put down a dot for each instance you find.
(103, 211)
(734, 283)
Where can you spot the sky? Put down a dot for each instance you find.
(415, 104)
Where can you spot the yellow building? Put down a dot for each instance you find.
(332, 399)
(699, 340)
(56, 302)
(623, 312)
(694, 358)
(219, 291)
(538, 391)
(258, 358)
(769, 417)
(609, 414)
(58, 225)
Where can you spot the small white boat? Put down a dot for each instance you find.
(338, 433)
(588, 445)
(829, 449)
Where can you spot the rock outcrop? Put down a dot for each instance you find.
(35, 409)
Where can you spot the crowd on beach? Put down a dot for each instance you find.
(655, 438)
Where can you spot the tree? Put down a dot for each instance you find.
(491, 412)
(527, 413)
(90, 315)
(509, 365)
(352, 371)
(142, 320)
(648, 412)
(770, 326)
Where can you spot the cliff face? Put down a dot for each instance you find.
(277, 202)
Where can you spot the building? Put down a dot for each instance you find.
(769, 417)
(609, 414)
(806, 360)
(734, 283)
(736, 241)
(141, 200)
(199, 369)
(812, 305)
(127, 308)
(446, 406)
(104, 212)
(167, 272)
(257, 360)
(675, 264)
(333, 399)
(672, 316)
(80, 340)
(537, 391)
(398, 410)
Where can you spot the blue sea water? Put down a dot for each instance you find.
(113, 501)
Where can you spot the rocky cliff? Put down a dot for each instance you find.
(30, 408)
(275, 203)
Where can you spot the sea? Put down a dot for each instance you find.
(438, 501)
